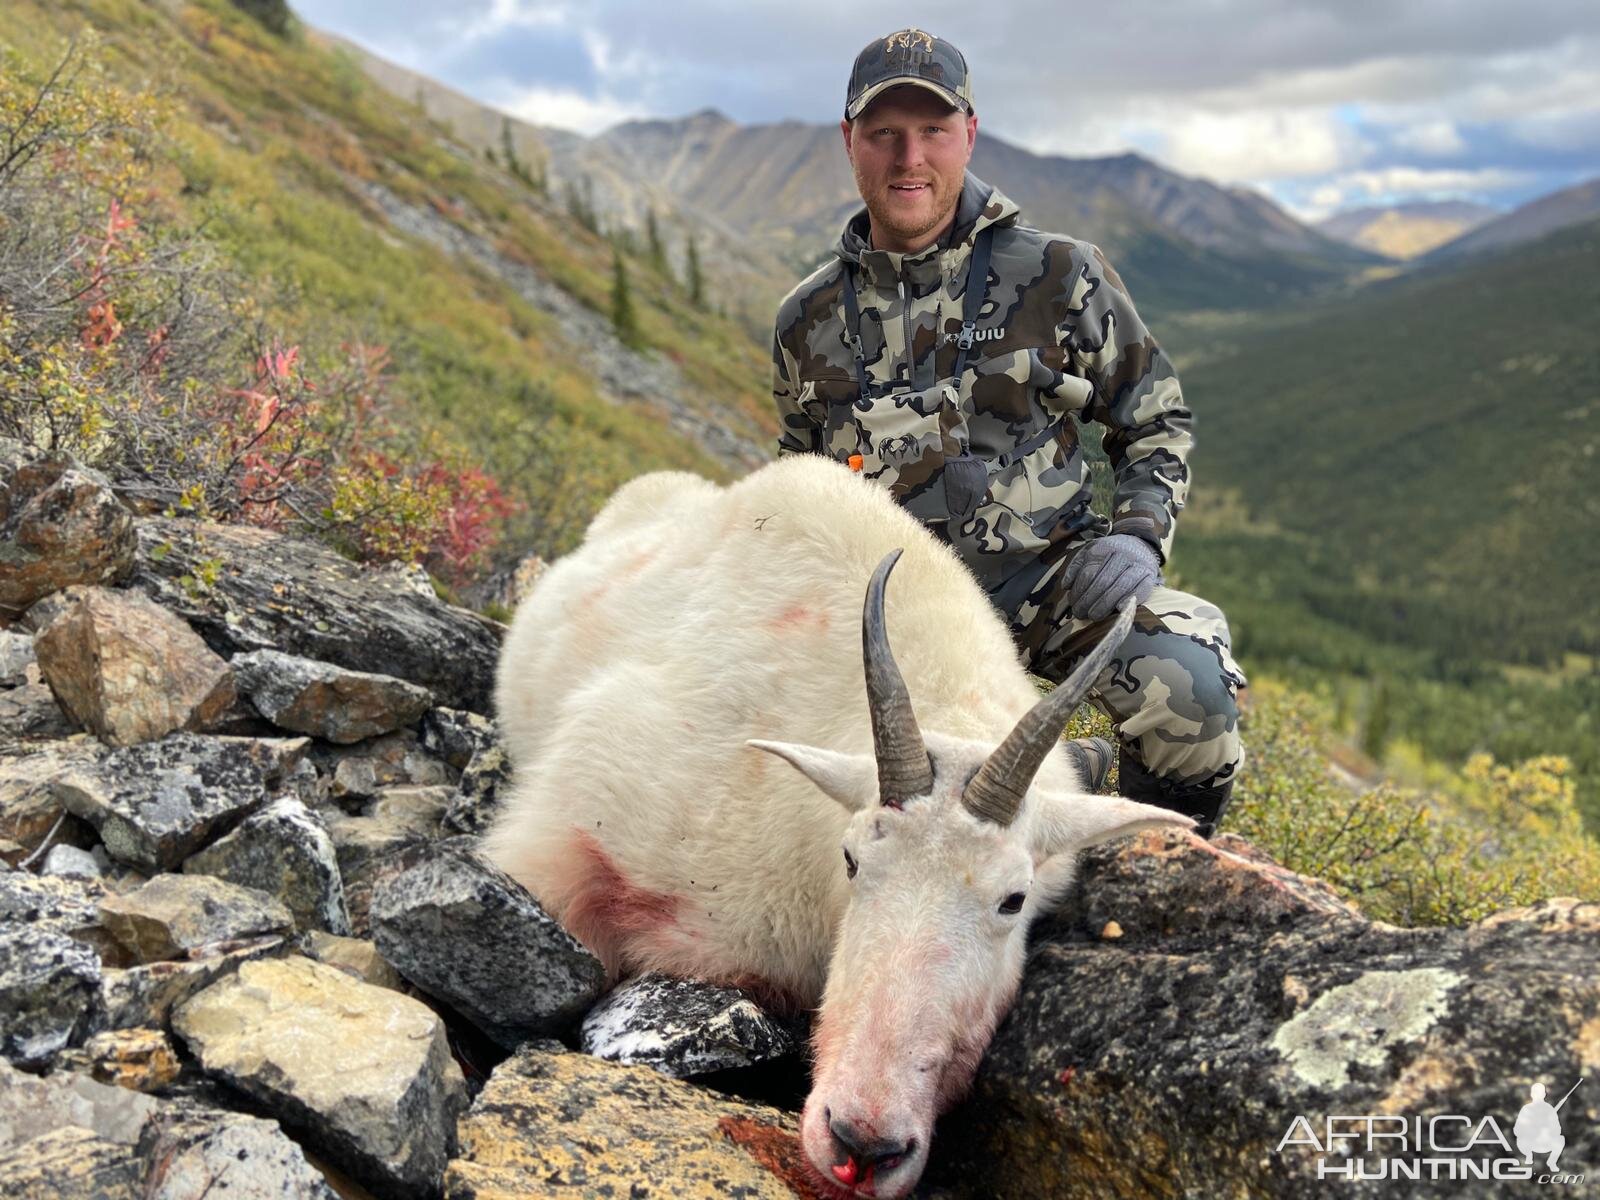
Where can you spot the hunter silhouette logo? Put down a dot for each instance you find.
(911, 39)
(1453, 1146)
(1538, 1128)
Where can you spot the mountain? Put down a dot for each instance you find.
(1406, 230)
(584, 175)
(1181, 242)
(1534, 219)
(766, 202)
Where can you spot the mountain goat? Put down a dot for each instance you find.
(698, 627)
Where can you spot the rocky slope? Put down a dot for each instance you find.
(245, 941)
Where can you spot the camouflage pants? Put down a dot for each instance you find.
(1170, 691)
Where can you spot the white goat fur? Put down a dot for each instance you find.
(693, 618)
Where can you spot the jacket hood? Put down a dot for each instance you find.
(981, 205)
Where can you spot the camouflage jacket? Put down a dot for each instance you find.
(1058, 342)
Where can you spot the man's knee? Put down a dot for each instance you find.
(1175, 703)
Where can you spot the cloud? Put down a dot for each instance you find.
(1284, 95)
(569, 109)
(1397, 185)
(1436, 137)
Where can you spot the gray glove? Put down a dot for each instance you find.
(1107, 571)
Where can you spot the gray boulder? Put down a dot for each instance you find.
(156, 804)
(473, 937)
(285, 852)
(68, 1137)
(16, 656)
(191, 916)
(1195, 998)
(362, 1073)
(331, 702)
(49, 993)
(279, 593)
(455, 736)
(683, 1028)
(476, 801)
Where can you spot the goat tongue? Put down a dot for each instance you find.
(845, 1172)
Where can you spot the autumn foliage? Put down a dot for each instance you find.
(126, 341)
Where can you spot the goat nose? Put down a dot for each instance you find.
(860, 1153)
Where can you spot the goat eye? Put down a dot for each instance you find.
(1013, 902)
(849, 866)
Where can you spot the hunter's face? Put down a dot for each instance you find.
(910, 152)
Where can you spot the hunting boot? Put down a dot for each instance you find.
(1093, 756)
(1205, 802)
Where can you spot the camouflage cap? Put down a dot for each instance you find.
(908, 56)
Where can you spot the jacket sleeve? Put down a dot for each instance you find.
(797, 433)
(1136, 396)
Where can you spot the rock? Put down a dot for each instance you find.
(69, 1136)
(506, 587)
(455, 736)
(682, 1028)
(181, 916)
(285, 852)
(468, 934)
(473, 806)
(393, 761)
(30, 1107)
(146, 995)
(29, 810)
(559, 1125)
(363, 1073)
(403, 822)
(30, 714)
(330, 702)
(72, 1163)
(156, 804)
(49, 988)
(16, 656)
(278, 593)
(1171, 1061)
(129, 670)
(140, 1059)
(71, 863)
(60, 525)
(194, 1153)
(61, 904)
(356, 957)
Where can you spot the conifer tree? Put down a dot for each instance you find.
(658, 252)
(696, 282)
(622, 317)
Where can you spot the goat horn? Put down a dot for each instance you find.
(903, 766)
(995, 793)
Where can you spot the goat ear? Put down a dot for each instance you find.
(1076, 821)
(851, 779)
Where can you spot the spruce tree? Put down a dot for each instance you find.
(658, 252)
(622, 318)
(696, 281)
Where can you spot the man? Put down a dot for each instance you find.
(948, 352)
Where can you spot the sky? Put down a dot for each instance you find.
(1324, 105)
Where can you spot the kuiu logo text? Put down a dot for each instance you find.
(980, 335)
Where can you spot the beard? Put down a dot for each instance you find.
(910, 223)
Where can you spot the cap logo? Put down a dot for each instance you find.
(909, 39)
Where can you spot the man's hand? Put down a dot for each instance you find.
(1107, 571)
